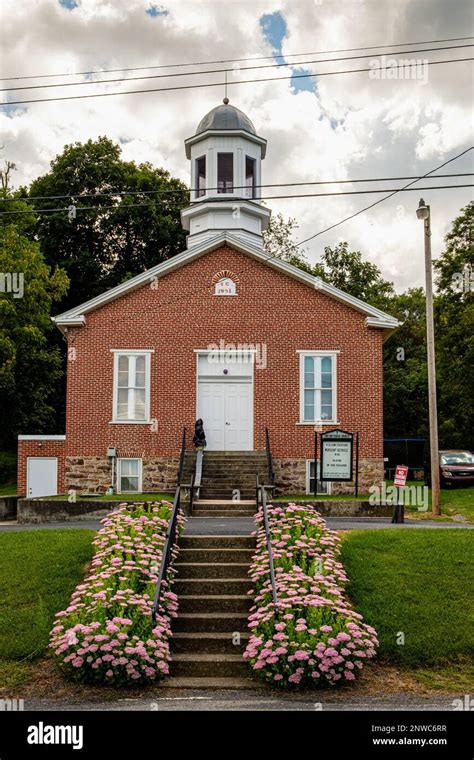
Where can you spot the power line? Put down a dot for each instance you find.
(222, 71)
(185, 296)
(220, 84)
(235, 60)
(167, 191)
(233, 199)
(381, 200)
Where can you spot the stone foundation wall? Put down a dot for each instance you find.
(160, 474)
(290, 476)
(94, 474)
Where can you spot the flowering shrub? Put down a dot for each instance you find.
(106, 635)
(314, 636)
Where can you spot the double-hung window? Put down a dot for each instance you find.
(318, 386)
(129, 475)
(131, 386)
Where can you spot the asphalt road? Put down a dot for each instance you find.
(244, 700)
(245, 525)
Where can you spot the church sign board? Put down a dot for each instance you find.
(336, 455)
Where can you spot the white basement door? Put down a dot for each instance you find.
(42, 476)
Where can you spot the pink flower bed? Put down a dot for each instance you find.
(106, 634)
(314, 637)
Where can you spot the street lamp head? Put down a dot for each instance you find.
(423, 211)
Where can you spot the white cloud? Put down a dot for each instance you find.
(353, 126)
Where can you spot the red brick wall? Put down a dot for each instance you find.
(180, 315)
(40, 449)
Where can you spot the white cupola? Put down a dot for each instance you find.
(226, 155)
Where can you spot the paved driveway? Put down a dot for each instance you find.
(245, 525)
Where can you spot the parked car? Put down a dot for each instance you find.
(456, 467)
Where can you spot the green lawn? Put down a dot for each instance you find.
(119, 497)
(454, 501)
(417, 582)
(8, 490)
(39, 569)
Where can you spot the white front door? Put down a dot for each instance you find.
(227, 412)
(42, 476)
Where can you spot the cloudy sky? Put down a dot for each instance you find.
(346, 126)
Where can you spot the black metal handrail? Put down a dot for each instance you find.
(170, 540)
(271, 472)
(261, 498)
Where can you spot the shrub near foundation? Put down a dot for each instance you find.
(106, 634)
(314, 637)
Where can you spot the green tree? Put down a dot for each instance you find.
(454, 326)
(405, 373)
(108, 243)
(29, 367)
(348, 271)
(278, 242)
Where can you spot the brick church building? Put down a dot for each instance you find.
(222, 332)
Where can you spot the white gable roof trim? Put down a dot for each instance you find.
(75, 317)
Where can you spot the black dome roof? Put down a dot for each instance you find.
(225, 117)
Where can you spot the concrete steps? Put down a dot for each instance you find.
(210, 632)
(224, 508)
(212, 642)
(202, 665)
(212, 570)
(207, 622)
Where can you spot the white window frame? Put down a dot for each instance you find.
(129, 352)
(140, 473)
(333, 355)
(308, 478)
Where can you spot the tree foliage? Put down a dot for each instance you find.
(29, 367)
(113, 237)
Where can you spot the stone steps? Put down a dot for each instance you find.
(212, 642)
(204, 682)
(217, 542)
(212, 584)
(212, 570)
(224, 508)
(204, 555)
(223, 513)
(207, 622)
(195, 664)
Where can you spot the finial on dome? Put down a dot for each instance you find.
(226, 101)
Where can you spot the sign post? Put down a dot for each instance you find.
(401, 473)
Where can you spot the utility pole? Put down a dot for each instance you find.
(423, 212)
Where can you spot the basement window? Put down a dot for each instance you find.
(129, 475)
(323, 488)
(225, 172)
